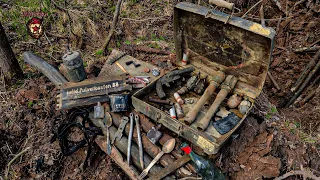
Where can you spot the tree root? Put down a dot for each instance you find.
(13, 159)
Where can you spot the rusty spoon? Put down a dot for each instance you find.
(108, 123)
(166, 148)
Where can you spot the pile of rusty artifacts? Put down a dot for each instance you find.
(204, 100)
(140, 145)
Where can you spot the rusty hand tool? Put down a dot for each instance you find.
(172, 167)
(130, 138)
(166, 148)
(119, 132)
(226, 87)
(169, 77)
(108, 123)
(136, 118)
(214, 83)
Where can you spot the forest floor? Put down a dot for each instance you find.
(270, 143)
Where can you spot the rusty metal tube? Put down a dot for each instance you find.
(226, 87)
(214, 83)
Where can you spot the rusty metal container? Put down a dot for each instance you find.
(239, 47)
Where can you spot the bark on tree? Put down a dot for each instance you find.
(9, 65)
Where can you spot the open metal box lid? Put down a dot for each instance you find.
(238, 47)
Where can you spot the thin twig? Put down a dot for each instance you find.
(251, 9)
(8, 147)
(272, 19)
(45, 35)
(305, 174)
(147, 19)
(278, 25)
(113, 26)
(13, 159)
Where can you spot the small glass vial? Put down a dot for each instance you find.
(98, 111)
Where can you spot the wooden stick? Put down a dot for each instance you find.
(113, 26)
(251, 9)
(131, 171)
(172, 167)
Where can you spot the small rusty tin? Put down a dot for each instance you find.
(241, 48)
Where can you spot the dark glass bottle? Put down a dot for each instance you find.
(204, 167)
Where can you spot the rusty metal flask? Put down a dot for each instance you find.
(73, 65)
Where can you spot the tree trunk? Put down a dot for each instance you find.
(9, 65)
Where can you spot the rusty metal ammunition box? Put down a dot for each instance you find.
(239, 47)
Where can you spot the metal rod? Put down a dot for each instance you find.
(139, 140)
(130, 138)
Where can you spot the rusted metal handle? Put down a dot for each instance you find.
(214, 83)
(222, 3)
(191, 116)
(204, 122)
(226, 87)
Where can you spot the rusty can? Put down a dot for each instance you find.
(73, 65)
(179, 110)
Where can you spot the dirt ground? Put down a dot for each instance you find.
(271, 142)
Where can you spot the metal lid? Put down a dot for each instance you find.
(240, 47)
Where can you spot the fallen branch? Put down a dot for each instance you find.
(304, 174)
(13, 159)
(274, 81)
(113, 26)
